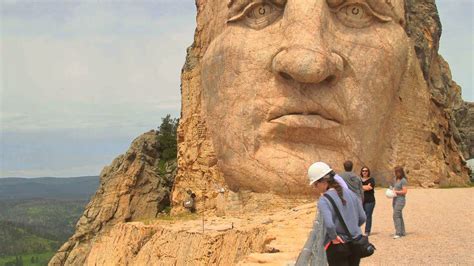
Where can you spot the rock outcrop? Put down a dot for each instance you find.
(130, 189)
(424, 28)
(138, 244)
(465, 124)
(194, 240)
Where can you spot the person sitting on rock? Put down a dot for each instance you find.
(190, 203)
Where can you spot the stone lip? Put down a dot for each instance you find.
(302, 120)
(290, 108)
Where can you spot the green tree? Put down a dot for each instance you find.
(167, 138)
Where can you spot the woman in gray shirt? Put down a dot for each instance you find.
(400, 188)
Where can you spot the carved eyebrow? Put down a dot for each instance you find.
(236, 7)
(384, 8)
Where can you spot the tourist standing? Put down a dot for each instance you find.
(338, 251)
(400, 189)
(368, 184)
(352, 180)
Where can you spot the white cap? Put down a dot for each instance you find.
(317, 171)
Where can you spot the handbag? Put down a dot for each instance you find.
(360, 246)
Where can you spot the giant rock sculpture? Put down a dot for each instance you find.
(270, 87)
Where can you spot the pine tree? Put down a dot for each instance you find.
(167, 138)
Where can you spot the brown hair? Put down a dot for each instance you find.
(348, 165)
(368, 170)
(399, 169)
(332, 183)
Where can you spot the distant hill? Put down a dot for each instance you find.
(73, 188)
(37, 215)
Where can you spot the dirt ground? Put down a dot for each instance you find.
(439, 225)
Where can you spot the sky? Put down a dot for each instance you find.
(81, 79)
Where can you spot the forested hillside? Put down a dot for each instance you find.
(37, 215)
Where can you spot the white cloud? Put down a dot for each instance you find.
(102, 66)
(73, 171)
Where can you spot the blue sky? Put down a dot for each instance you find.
(81, 79)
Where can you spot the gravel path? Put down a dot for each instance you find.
(439, 225)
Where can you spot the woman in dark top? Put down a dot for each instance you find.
(368, 184)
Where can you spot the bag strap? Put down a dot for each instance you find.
(338, 214)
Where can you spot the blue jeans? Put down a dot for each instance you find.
(369, 209)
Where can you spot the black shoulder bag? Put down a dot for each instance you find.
(361, 247)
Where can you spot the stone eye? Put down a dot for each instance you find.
(357, 11)
(258, 15)
(355, 15)
(260, 11)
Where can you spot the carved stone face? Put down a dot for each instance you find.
(288, 83)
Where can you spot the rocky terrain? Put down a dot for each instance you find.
(276, 236)
(130, 189)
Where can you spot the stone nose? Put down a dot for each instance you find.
(307, 65)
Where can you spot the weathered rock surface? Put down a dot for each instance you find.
(465, 124)
(138, 244)
(130, 189)
(279, 232)
(229, 77)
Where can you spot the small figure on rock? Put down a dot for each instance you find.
(190, 202)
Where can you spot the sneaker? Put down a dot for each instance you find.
(396, 236)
